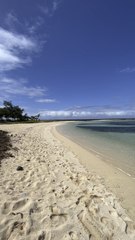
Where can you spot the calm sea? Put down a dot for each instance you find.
(112, 140)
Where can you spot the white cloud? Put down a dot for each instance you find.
(64, 114)
(102, 113)
(10, 87)
(14, 49)
(46, 100)
(9, 40)
(128, 70)
(56, 114)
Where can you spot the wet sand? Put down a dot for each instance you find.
(116, 180)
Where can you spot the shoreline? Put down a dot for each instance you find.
(116, 180)
(52, 195)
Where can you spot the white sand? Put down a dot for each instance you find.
(54, 197)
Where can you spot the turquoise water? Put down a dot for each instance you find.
(112, 140)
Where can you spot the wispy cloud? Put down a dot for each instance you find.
(90, 112)
(44, 9)
(12, 87)
(55, 5)
(11, 21)
(34, 27)
(30, 26)
(46, 100)
(49, 9)
(14, 49)
(128, 70)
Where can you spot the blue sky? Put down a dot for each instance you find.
(68, 58)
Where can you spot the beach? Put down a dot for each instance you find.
(50, 191)
(117, 177)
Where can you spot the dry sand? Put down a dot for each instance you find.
(54, 196)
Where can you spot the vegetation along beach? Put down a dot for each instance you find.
(67, 120)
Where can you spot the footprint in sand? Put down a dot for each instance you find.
(71, 236)
(42, 236)
(57, 217)
(6, 208)
(19, 204)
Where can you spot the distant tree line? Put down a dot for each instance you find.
(10, 112)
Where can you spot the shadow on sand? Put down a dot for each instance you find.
(5, 145)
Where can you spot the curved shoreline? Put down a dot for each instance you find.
(51, 195)
(120, 183)
(109, 148)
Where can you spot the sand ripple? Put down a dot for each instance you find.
(54, 197)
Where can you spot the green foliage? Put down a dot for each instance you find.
(1, 113)
(10, 112)
(36, 117)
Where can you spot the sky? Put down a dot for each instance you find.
(68, 58)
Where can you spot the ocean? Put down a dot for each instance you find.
(111, 140)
